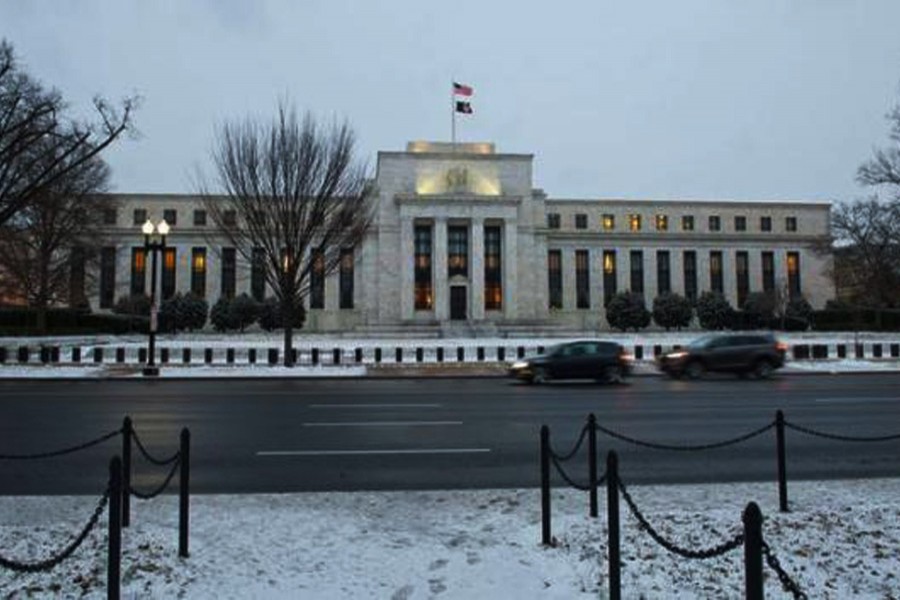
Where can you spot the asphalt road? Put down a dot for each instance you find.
(367, 434)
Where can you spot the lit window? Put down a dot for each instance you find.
(662, 222)
(609, 262)
(609, 222)
(634, 222)
(687, 223)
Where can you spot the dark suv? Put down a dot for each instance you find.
(587, 359)
(757, 354)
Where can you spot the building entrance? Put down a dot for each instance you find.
(458, 302)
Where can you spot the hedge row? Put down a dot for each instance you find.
(23, 321)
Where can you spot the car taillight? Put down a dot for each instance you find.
(625, 356)
(781, 347)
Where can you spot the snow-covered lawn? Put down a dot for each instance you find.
(841, 540)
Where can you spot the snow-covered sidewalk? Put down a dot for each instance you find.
(841, 540)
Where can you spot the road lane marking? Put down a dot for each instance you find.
(870, 399)
(373, 452)
(375, 405)
(383, 424)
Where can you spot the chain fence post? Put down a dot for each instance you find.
(114, 548)
(753, 563)
(127, 432)
(545, 485)
(782, 462)
(612, 518)
(184, 492)
(592, 462)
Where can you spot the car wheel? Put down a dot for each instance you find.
(694, 369)
(539, 376)
(763, 369)
(613, 374)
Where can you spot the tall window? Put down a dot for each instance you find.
(634, 222)
(609, 222)
(198, 272)
(662, 222)
(77, 270)
(580, 221)
(258, 274)
(663, 273)
(793, 273)
(765, 223)
(690, 275)
(790, 224)
(493, 286)
(168, 273)
(582, 279)
(107, 276)
(346, 278)
(687, 223)
(716, 278)
(422, 291)
(457, 251)
(138, 270)
(742, 269)
(171, 216)
(554, 277)
(609, 275)
(229, 272)
(715, 223)
(553, 220)
(768, 272)
(740, 223)
(637, 271)
(317, 279)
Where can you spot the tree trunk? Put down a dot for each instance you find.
(41, 319)
(287, 320)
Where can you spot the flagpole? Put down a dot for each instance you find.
(453, 116)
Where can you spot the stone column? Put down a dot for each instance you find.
(509, 249)
(568, 277)
(407, 273)
(476, 292)
(439, 254)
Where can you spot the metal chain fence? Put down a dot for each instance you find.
(161, 488)
(49, 563)
(63, 451)
(735, 542)
(574, 451)
(723, 444)
(150, 458)
(787, 583)
(842, 438)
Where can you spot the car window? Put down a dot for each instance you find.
(702, 341)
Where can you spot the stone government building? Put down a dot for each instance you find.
(462, 243)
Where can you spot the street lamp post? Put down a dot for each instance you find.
(154, 246)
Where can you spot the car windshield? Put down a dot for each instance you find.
(702, 341)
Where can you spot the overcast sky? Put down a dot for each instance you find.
(764, 99)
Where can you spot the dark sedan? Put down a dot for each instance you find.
(757, 354)
(586, 359)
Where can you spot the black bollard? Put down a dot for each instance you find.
(753, 563)
(612, 518)
(545, 486)
(184, 492)
(592, 462)
(782, 462)
(127, 432)
(114, 537)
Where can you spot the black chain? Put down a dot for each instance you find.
(787, 583)
(574, 449)
(570, 481)
(159, 490)
(735, 542)
(656, 446)
(47, 564)
(156, 461)
(99, 440)
(842, 438)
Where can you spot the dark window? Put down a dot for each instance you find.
(107, 276)
(138, 270)
(740, 223)
(229, 218)
(768, 272)
(609, 222)
(690, 275)
(610, 285)
(637, 271)
(457, 251)
(663, 272)
(170, 216)
(742, 269)
(139, 216)
(258, 274)
(317, 279)
(580, 221)
(582, 279)
(77, 270)
(198, 272)
(109, 216)
(199, 218)
(687, 223)
(715, 223)
(793, 274)
(422, 290)
(493, 285)
(716, 277)
(790, 224)
(662, 222)
(553, 220)
(229, 271)
(346, 278)
(168, 273)
(554, 278)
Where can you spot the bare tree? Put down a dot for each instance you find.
(298, 195)
(884, 167)
(38, 144)
(37, 243)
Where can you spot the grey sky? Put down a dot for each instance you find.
(665, 99)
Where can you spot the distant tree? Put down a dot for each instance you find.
(183, 312)
(220, 315)
(271, 317)
(672, 310)
(799, 314)
(196, 310)
(135, 304)
(626, 310)
(293, 191)
(244, 311)
(714, 311)
(759, 310)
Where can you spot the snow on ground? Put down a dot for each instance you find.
(841, 540)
